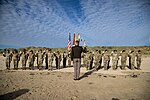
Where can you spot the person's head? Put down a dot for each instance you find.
(132, 51)
(64, 52)
(99, 51)
(7, 51)
(96, 50)
(77, 42)
(139, 51)
(31, 51)
(24, 51)
(58, 52)
(106, 50)
(123, 50)
(40, 50)
(115, 51)
(15, 51)
(49, 50)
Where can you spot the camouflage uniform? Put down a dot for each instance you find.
(98, 59)
(115, 58)
(132, 60)
(106, 57)
(138, 59)
(15, 59)
(88, 60)
(84, 59)
(46, 58)
(8, 56)
(31, 58)
(69, 58)
(64, 59)
(40, 59)
(58, 60)
(24, 59)
(124, 56)
(50, 60)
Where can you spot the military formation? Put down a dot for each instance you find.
(40, 57)
(95, 59)
(90, 59)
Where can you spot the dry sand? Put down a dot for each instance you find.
(59, 84)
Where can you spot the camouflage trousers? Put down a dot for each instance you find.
(132, 64)
(50, 67)
(87, 64)
(69, 61)
(7, 64)
(114, 64)
(97, 64)
(40, 63)
(58, 64)
(23, 64)
(106, 64)
(123, 64)
(138, 64)
(84, 62)
(15, 62)
(31, 64)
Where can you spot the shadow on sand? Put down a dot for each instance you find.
(13, 95)
(87, 74)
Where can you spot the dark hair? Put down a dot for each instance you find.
(99, 51)
(123, 50)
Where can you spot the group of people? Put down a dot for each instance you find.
(96, 58)
(40, 56)
(90, 59)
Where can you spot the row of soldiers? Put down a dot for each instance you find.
(41, 55)
(88, 59)
(97, 57)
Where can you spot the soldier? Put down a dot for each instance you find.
(50, 59)
(138, 59)
(92, 59)
(31, 58)
(69, 58)
(115, 58)
(40, 59)
(106, 57)
(64, 59)
(15, 59)
(123, 59)
(58, 60)
(132, 60)
(46, 58)
(98, 59)
(8, 56)
(89, 60)
(36, 55)
(84, 59)
(24, 59)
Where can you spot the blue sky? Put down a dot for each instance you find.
(46, 23)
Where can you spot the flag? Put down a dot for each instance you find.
(69, 42)
(74, 39)
(79, 36)
(84, 44)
